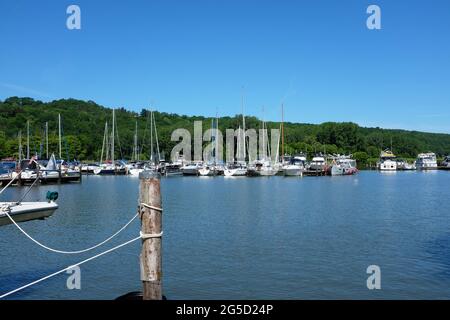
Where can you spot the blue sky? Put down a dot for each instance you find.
(194, 57)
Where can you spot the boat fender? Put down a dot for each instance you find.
(52, 196)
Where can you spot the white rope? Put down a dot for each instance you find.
(150, 235)
(151, 207)
(68, 252)
(65, 269)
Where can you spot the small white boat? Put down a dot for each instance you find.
(262, 168)
(317, 163)
(295, 167)
(89, 168)
(192, 169)
(26, 211)
(293, 170)
(207, 171)
(135, 171)
(446, 162)
(235, 170)
(343, 165)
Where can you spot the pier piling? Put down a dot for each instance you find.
(151, 230)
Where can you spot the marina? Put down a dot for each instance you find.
(210, 158)
(242, 242)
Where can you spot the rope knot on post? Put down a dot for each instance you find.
(146, 236)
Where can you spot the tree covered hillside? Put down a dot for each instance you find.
(83, 127)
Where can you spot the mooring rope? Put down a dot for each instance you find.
(69, 267)
(62, 251)
(29, 189)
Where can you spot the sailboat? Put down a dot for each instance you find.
(239, 168)
(264, 166)
(295, 166)
(135, 168)
(209, 168)
(109, 166)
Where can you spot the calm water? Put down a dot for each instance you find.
(247, 238)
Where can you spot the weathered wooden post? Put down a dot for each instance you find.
(60, 173)
(151, 232)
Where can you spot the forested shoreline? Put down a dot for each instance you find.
(83, 129)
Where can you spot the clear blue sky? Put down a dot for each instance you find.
(193, 57)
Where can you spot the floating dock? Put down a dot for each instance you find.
(63, 178)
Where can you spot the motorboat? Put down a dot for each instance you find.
(387, 161)
(89, 168)
(235, 170)
(262, 168)
(404, 165)
(446, 162)
(426, 161)
(207, 170)
(192, 169)
(317, 163)
(295, 167)
(25, 211)
(343, 165)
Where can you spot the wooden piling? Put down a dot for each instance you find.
(151, 227)
(59, 174)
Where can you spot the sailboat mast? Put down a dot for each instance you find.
(243, 126)
(216, 149)
(28, 139)
(156, 137)
(20, 147)
(135, 151)
(263, 138)
(112, 137)
(59, 134)
(282, 132)
(46, 139)
(104, 141)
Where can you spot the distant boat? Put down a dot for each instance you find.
(426, 161)
(446, 162)
(387, 161)
(317, 163)
(262, 168)
(192, 169)
(110, 167)
(295, 167)
(343, 165)
(172, 169)
(89, 168)
(404, 165)
(207, 170)
(235, 170)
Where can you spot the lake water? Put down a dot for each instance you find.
(246, 238)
